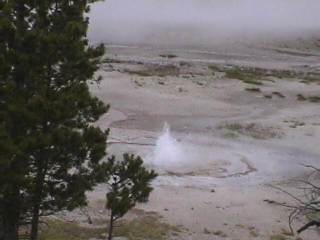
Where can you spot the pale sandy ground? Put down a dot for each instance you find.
(223, 186)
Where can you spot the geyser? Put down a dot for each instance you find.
(168, 153)
(192, 156)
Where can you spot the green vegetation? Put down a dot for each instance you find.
(231, 134)
(156, 70)
(146, 227)
(278, 94)
(256, 75)
(129, 183)
(278, 237)
(214, 68)
(168, 56)
(253, 89)
(311, 78)
(247, 76)
(252, 81)
(313, 99)
(149, 227)
(51, 152)
(249, 129)
(300, 97)
(267, 96)
(112, 60)
(60, 230)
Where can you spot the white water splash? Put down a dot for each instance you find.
(168, 153)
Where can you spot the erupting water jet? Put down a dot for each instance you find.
(168, 153)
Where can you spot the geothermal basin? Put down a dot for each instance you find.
(222, 100)
(227, 143)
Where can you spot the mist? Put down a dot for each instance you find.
(202, 22)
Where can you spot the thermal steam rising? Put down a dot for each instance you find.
(201, 22)
(168, 153)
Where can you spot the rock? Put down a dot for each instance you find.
(219, 233)
(180, 89)
(206, 231)
(138, 83)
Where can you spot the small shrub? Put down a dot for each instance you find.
(253, 89)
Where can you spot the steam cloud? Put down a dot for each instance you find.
(201, 22)
(168, 152)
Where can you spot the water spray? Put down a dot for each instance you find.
(168, 153)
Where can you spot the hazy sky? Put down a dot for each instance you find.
(201, 21)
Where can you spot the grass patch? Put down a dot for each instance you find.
(300, 97)
(60, 230)
(295, 123)
(313, 216)
(168, 56)
(278, 94)
(286, 232)
(140, 73)
(313, 99)
(214, 68)
(147, 227)
(185, 64)
(112, 60)
(251, 130)
(278, 237)
(231, 134)
(311, 78)
(254, 82)
(253, 75)
(253, 89)
(247, 76)
(156, 70)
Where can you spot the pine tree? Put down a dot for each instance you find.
(49, 150)
(129, 183)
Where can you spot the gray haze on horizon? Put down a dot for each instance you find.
(201, 22)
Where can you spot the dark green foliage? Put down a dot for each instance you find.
(49, 150)
(129, 183)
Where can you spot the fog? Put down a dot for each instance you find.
(201, 22)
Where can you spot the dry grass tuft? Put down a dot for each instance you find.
(146, 227)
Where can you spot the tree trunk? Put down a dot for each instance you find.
(9, 228)
(42, 168)
(1, 227)
(37, 201)
(35, 222)
(111, 226)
